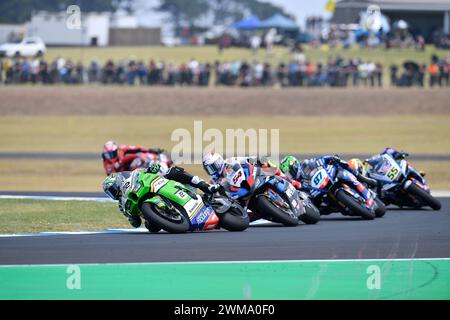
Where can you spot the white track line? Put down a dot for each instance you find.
(108, 231)
(229, 262)
(56, 198)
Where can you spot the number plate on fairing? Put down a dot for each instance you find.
(390, 169)
(320, 179)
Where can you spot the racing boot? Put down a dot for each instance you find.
(135, 221)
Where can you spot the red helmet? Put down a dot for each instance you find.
(109, 151)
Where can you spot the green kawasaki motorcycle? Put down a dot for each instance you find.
(173, 207)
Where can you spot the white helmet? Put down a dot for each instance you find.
(213, 164)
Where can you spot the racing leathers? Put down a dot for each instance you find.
(126, 154)
(174, 173)
(255, 161)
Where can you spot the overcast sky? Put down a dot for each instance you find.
(302, 8)
(299, 8)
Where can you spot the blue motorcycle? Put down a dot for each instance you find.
(269, 196)
(335, 189)
(400, 184)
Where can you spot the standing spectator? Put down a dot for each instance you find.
(394, 77)
(93, 71)
(421, 75)
(363, 73)
(108, 72)
(141, 72)
(245, 75)
(152, 74)
(132, 72)
(269, 40)
(79, 75)
(25, 71)
(267, 75)
(43, 71)
(378, 74)
(433, 72)
(255, 43)
(281, 74)
(293, 69)
(443, 73)
(34, 70)
(193, 67)
(258, 69)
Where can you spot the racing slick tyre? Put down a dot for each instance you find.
(233, 220)
(381, 208)
(165, 218)
(311, 215)
(267, 208)
(354, 206)
(151, 228)
(427, 198)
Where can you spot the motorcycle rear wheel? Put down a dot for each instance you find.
(424, 196)
(233, 220)
(311, 215)
(265, 207)
(354, 206)
(150, 213)
(381, 208)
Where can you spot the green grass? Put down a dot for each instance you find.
(309, 134)
(39, 216)
(211, 54)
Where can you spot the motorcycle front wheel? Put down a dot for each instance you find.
(165, 219)
(266, 208)
(354, 206)
(424, 197)
(381, 208)
(234, 220)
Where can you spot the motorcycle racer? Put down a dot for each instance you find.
(377, 160)
(214, 165)
(118, 185)
(118, 158)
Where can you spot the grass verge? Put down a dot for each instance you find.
(306, 134)
(40, 216)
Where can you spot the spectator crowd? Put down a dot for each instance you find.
(299, 72)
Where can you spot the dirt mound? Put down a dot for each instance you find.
(99, 100)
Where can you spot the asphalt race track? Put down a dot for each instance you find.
(400, 234)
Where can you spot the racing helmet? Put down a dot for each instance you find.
(153, 167)
(355, 165)
(111, 186)
(306, 168)
(213, 164)
(290, 165)
(109, 150)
